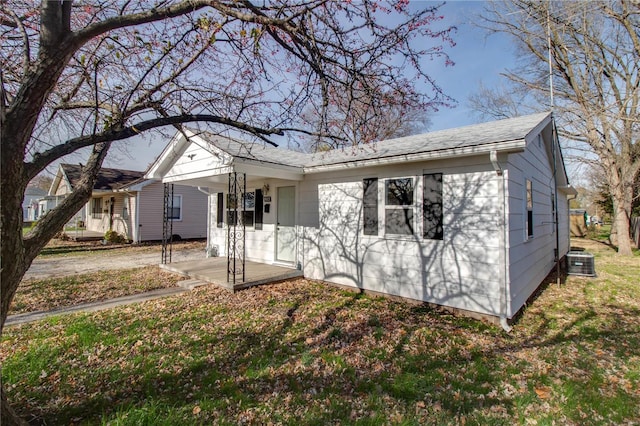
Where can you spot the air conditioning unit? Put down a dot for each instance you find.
(581, 263)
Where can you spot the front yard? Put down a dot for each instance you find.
(305, 353)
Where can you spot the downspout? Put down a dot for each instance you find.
(137, 225)
(504, 296)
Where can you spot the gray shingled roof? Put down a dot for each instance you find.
(476, 135)
(107, 180)
(513, 129)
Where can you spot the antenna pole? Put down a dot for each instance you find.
(549, 51)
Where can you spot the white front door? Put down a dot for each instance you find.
(286, 221)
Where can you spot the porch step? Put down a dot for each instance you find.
(190, 284)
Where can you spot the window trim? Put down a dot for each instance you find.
(403, 207)
(179, 218)
(96, 208)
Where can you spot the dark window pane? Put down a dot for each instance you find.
(175, 213)
(231, 220)
(399, 192)
(370, 206)
(247, 217)
(432, 214)
(530, 223)
(398, 221)
(249, 200)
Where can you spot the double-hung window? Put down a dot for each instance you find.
(399, 205)
(529, 209)
(247, 209)
(402, 206)
(174, 209)
(96, 208)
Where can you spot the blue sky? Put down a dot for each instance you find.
(478, 58)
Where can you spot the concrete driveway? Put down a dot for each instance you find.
(71, 264)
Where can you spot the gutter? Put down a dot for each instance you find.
(509, 146)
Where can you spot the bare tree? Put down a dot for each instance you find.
(86, 74)
(595, 59)
(353, 118)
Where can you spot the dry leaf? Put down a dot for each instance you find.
(543, 392)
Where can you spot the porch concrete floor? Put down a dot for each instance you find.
(85, 235)
(214, 270)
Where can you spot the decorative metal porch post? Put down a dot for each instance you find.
(236, 226)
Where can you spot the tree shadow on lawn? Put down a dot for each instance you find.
(321, 373)
(324, 373)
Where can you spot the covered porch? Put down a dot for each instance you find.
(214, 270)
(252, 213)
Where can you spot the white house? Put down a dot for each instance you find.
(30, 208)
(125, 202)
(468, 218)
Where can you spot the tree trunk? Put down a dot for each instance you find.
(620, 226)
(22, 250)
(8, 417)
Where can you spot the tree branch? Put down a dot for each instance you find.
(41, 160)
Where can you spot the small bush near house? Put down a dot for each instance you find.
(114, 237)
(62, 236)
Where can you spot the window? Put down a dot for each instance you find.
(529, 216)
(174, 209)
(96, 208)
(220, 210)
(432, 207)
(125, 208)
(401, 208)
(398, 215)
(370, 206)
(248, 208)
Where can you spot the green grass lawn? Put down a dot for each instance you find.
(47, 294)
(305, 353)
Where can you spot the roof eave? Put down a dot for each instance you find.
(468, 151)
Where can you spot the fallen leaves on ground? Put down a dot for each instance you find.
(301, 352)
(52, 293)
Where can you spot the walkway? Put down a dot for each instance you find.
(95, 306)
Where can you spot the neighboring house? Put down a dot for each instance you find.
(30, 208)
(125, 202)
(47, 203)
(464, 218)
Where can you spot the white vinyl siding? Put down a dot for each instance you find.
(461, 273)
(530, 259)
(193, 220)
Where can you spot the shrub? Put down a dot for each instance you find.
(114, 237)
